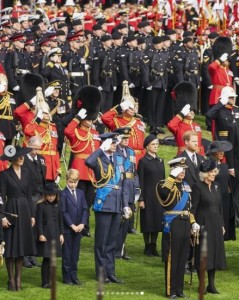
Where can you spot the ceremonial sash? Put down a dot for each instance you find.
(101, 193)
(179, 206)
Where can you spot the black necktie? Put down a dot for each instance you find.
(74, 195)
(111, 159)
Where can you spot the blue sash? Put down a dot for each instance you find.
(179, 206)
(127, 162)
(101, 193)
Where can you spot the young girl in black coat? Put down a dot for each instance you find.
(49, 224)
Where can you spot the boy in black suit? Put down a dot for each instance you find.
(74, 210)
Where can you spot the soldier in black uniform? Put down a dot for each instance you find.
(130, 66)
(97, 34)
(174, 196)
(187, 63)
(61, 39)
(154, 79)
(54, 70)
(146, 32)
(5, 44)
(76, 61)
(104, 73)
(17, 64)
(41, 55)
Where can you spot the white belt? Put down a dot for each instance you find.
(77, 74)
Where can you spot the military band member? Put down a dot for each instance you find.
(108, 205)
(124, 115)
(84, 138)
(174, 196)
(185, 93)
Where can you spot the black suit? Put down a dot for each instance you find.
(192, 172)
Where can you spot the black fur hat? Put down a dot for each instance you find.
(89, 98)
(222, 45)
(185, 93)
(28, 85)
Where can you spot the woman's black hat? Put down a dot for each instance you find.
(11, 152)
(219, 146)
(208, 165)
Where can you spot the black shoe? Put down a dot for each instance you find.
(34, 262)
(212, 290)
(173, 297)
(114, 279)
(46, 286)
(27, 264)
(125, 257)
(132, 231)
(160, 130)
(76, 282)
(181, 295)
(107, 281)
(68, 282)
(148, 250)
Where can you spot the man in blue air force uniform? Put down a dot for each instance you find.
(108, 205)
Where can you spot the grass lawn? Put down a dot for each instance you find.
(143, 276)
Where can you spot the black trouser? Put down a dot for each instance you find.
(107, 101)
(177, 241)
(45, 271)
(107, 227)
(156, 102)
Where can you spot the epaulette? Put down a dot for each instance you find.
(50, 64)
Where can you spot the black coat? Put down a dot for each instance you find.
(151, 171)
(207, 209)
(16, 195)
(49, 222)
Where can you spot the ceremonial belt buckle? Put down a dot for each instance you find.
(195, 72)
(77, 74)
(113, 186)
(23, 71)
(128, 175)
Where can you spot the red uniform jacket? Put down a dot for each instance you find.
(112, 120)
(83, 143)
(48, 133)
(220, 77)
(3, 163)
(178, 126)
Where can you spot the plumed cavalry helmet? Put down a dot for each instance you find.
(89, 98)
(185, 93)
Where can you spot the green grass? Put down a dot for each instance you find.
(142, 274)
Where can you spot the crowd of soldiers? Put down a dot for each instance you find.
(72, 72)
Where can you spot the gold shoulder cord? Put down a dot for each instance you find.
(88, 138)
(104, 176)
(87, 51)
(164, 203)
(5, 105)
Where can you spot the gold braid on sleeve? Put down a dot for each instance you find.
(105, 176)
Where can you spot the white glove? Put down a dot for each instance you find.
(114, 88)
(87, 67)
(126, 105)
(119, 139)
(175, 172)
(236, 79)
(33, 100)
(40, 114)
(149, 88)
(224, 101)
(186, 110)
(195, 227)
(57, 180)
(16, 88)
(49, 91)
(100, 88)
(82, 114)
(223, 57)
(136, 197)
(131, 85)
(210, 87)
(105, 146)
(127, 212)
